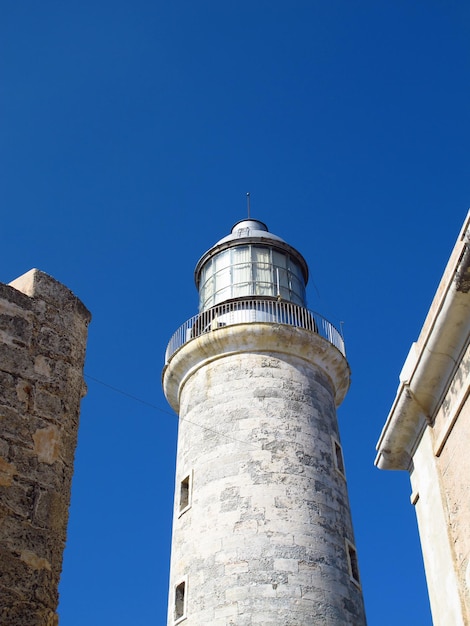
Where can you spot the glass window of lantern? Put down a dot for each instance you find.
(295, 269)
(204, 276)
(280, 275)
(297, 290)
(283, 287)
(222, 276)
(279, 259)
(207, 289)
(241, 271)
(262, 272)
(296, 282)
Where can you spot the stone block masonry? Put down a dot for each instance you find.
(267, 537)
(43, 333)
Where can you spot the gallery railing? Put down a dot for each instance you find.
(251, 311)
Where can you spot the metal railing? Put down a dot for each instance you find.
(251, 311)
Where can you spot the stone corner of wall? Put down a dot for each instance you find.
(38, 284)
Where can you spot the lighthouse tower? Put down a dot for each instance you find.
(262, 529)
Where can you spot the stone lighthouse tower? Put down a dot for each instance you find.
(262, 529)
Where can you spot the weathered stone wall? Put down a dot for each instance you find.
(451, 436)
(263, 539)
(43, 332)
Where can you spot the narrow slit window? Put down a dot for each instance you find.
(353, 563)
(185, 494)
(338, 457)
(180, 601)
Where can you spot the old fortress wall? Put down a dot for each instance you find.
(43, 333)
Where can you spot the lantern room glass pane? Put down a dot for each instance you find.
(262, 272)
(295, 269)
(297, 289)
(207, 292)
(241, 271)
(221, 276)
(282, 283)
(279, 259)
(222, 260)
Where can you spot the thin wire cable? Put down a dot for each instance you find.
(173, 414)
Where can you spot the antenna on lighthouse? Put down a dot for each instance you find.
(248, 203)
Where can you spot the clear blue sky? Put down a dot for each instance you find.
(129, 135)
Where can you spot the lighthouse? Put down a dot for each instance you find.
(262, 530)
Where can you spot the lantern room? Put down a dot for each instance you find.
(251, 262)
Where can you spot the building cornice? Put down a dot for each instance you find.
(431, 361)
